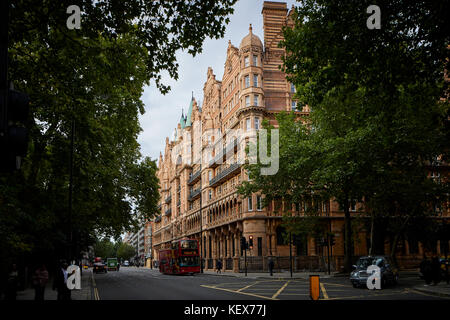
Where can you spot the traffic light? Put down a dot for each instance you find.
(13, 134)
(243, 243)
(250, 242)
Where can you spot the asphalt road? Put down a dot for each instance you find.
(132, 283)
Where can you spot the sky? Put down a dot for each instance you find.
(163, 112)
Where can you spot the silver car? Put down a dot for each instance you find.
(359, 275)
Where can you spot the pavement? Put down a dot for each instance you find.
(442, 289)
(85, 293)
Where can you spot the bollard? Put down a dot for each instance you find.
(314, 287)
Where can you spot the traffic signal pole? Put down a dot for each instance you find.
(290, 252)
(328, 254)
(245, 259)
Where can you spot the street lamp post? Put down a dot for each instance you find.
(290, 252)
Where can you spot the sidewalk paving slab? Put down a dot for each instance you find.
(85, 293)
(267, 276)
(442, 289)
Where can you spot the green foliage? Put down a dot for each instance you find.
(377, 123)
(95, 77)
(125, 251)
(105, 249)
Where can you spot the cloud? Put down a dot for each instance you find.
(164, 112)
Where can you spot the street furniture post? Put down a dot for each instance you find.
(314, 287)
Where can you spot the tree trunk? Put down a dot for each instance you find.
(394, 247)
(396, 238)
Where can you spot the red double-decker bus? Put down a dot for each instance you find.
(182, 258)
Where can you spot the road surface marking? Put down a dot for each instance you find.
(240, 292)
(324, 292)
(281, 289)
(242, 289)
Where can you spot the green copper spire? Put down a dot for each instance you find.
(182, 121)
(189, 113)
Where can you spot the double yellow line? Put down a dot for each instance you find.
(96, 296)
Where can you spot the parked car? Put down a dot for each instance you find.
(126, 263)
(389, 272)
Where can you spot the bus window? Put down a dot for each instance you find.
(188, 244)
(188, 261)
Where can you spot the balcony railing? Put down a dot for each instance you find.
(195, 177)
(224, 174)
(194, 194)
(229, 149)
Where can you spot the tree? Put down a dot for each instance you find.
(377, 120)
(125, 251)
(92, 77)
(104, 248)
(375, 97)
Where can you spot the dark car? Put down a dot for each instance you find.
(100, 267)
(389, 272)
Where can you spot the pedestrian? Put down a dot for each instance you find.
(219, 266)
(40, 279)
(11, 285)
(435, 270)
(271, 265)
(60, 282)
(425, 269)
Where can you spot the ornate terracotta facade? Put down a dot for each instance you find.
(198, 187)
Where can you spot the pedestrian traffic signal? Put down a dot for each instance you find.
(13, 134)
(250, 242)
(243, 243)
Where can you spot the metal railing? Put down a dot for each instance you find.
(229, 264)
(195, 176)
(223, 174)
(194, 194)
